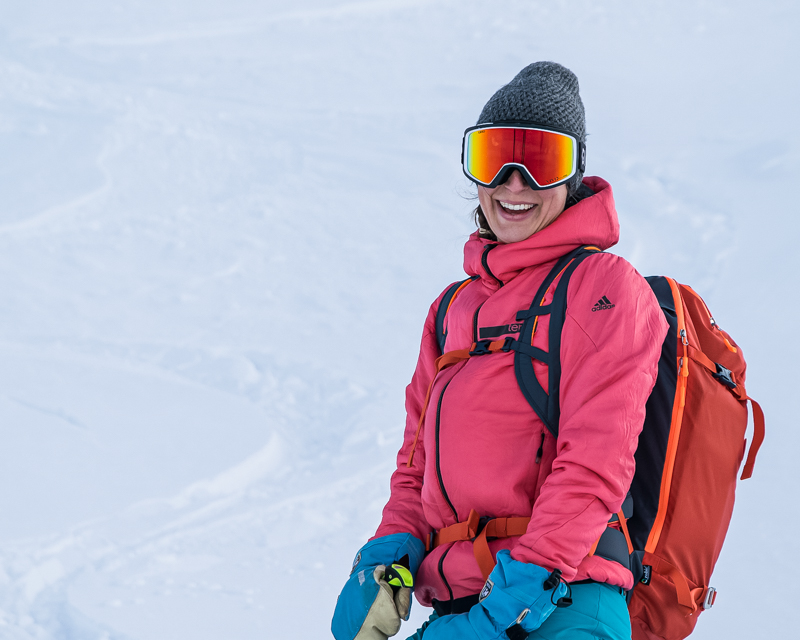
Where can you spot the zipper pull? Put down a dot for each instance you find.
(731, 348)
(727, 342)
(540, 451)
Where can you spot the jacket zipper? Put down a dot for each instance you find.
(485, 262)
(540, 450)
(438, 466)
(441, 572)
(475, 322)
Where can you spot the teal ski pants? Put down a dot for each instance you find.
(598, 612)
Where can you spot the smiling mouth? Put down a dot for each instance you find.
(515, 208)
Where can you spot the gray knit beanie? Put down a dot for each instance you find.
(543, 93)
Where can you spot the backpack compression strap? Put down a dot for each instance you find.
(724, 376)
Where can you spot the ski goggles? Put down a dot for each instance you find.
(546, 158)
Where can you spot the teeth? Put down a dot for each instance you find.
(516, 207)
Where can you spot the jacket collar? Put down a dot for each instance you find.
(592, 220)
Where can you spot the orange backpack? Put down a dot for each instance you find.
(689, 452)
(703, 406)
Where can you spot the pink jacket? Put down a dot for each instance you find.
(482, 447)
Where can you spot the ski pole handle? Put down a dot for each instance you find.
(398, 576)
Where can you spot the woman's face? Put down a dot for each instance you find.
(515, 211)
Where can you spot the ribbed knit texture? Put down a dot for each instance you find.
(544, 93)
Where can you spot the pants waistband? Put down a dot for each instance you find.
(463, 605)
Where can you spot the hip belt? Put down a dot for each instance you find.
(613, 544)
(478, 530)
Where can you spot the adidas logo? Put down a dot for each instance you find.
(602, 304)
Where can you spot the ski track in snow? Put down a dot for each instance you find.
(221, 228)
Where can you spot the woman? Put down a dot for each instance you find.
(480, 479)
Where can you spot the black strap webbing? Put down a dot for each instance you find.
(441, 312)
(545, 402)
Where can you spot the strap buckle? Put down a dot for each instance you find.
(473, 524)
(711, 596)
(480, 348)
(482, 522)
(725, 376)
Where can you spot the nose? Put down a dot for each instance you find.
(516, 182)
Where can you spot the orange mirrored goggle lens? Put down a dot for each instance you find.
(549, 157)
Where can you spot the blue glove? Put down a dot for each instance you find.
(514, 602)
(367, 607)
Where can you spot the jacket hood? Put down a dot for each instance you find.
(591, 221)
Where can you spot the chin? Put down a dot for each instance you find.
(516, 236)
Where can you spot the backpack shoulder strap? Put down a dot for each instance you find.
(545, 402)
(444, 307)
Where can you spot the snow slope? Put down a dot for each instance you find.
(221, 226)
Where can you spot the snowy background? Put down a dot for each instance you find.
(221, 226)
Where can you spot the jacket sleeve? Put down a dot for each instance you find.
(403, 513)
(611, 343)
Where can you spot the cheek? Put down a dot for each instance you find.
(554, 201)
(485, 200)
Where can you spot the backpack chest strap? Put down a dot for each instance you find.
(481, 348)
